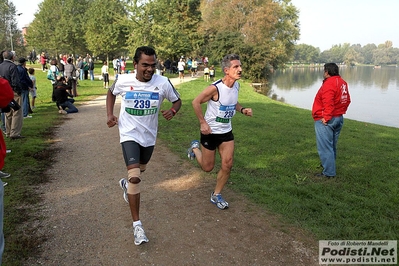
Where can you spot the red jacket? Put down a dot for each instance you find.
(332, 99)
(6, 95)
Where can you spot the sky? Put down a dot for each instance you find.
(326, 23)
(322, 23)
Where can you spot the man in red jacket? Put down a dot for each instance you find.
(331, 102)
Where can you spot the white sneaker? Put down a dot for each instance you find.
(62, 112)
(139, 235)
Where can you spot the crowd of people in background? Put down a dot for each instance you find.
(69, 70)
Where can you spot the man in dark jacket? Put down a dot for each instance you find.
(26, 84)
(14, 118)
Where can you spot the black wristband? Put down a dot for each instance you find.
(242, 109)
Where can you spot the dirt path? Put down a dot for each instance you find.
(87, 222)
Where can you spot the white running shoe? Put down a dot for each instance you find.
(139, 235)
(219, 201)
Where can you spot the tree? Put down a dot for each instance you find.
(11, 39)
(384, 54)
(61, 31)
(351, 57)
(264, 32)
(305, 53)
(170, 25)
(105, 29)
(367, 52)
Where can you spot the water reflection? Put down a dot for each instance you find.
(374, 92)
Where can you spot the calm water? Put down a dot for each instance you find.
(374, 92)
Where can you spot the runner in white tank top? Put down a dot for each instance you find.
(215, 125)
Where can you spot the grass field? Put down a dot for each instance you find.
(275, 162)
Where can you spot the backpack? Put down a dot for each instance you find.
(50, 74)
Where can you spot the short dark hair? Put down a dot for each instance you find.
(31, 70)
(147, 50)
(226, 62)
(332, 69)
(69, 60)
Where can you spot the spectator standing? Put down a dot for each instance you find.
(32, 56)
(91, 69)
(14, 118)
(206, 61)
(61, 64)
(206, 73)
(329, 106)
(115, 65)
(79, 66)
(26, 85)
(180, 68)
(105, 74)
(194, 67)
(85, 68)
(168, 65)
(212, 73)
(54, 70)
(189, 64)
(118, 65)
(33, 92)
(70, 75)
(43, 61)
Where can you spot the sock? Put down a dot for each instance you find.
(136, 223)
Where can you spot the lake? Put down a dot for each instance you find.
(374, 92)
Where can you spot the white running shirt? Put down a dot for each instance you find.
(140, 106)
(219, 113)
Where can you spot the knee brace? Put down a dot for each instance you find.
(134, 180)
(143, 167)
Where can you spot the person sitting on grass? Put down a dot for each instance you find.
(63, 98)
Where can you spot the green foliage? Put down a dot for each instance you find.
(261, 32)
(170, 26)
(105, 29)
(61, 31)
(305, 53)
(11, 36)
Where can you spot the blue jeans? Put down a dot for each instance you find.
(81, 74)
(69, 107)
(326, 140)
(25, 102)
(1, 220)
(91, 72)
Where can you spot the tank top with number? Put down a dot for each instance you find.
(219, 113)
